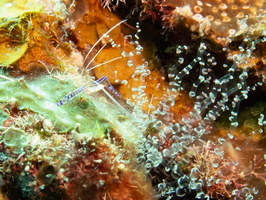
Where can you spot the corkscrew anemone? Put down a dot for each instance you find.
(162, 141)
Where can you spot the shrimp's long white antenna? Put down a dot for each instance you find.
(105, 62)
(95, 56)
(5, 77)
(104, 35)
(49, 71)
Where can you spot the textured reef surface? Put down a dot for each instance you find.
(132, 100)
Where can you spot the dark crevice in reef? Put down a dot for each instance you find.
(257, 95)
(19, 187)
(130, 9)
(181, 36)
(256, 99)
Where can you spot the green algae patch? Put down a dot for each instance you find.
(9, 55)
(3, 116)
(41, 95)
(16, 139)
(14, 8)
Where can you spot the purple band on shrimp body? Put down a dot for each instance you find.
(68, 97)
(109, 85)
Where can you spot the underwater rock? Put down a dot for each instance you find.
(221, 19)
(91, 117)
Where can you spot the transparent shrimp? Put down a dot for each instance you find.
(102, 84)
(95, 87)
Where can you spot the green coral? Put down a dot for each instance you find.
(3, 115)
(41, 95)
(16, 139)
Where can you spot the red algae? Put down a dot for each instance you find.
(187, 125)
(103, 170)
